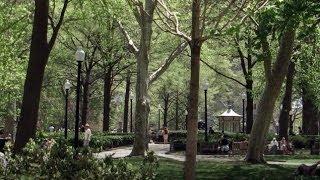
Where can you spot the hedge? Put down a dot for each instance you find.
(181, 136)
(99, 141)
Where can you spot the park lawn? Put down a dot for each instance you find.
(171, 169)
(301, 156)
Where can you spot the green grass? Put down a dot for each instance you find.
(173, 170)
(301, 156)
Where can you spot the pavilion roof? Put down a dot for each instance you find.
(229, 113)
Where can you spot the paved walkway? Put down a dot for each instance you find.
(162, 150)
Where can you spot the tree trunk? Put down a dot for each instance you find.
(192, 130)
(177, 111)
(249, 88)
(38, 58)
(275, 76)
(107, 99)
(286, 103)
(310, 115)
(291, 121)
(126, 103)
(85, 98)
(142, 97)
(165, 110)
(249, 108)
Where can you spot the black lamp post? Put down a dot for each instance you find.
(243, 115)
(205, 87)
(159, 110)
(80, 55)
(67, 87)
(131, 125)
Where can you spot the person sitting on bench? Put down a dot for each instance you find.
(224, 143)
(273, 146)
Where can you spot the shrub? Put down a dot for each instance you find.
(181, 136)
(100, 141)
(62, 162)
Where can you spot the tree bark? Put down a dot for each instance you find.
(286, 103)
(275, 76)
(310, 114)
(85, 98)
(177, 111)
(39, 53)
(126, 103)
(249, 91)
(165, 109)
(107, 99)
(142, 97)
(192, 119)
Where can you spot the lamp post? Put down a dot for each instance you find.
(80, 55)
(205, 87)
(159, 111)
(243, 100)
(131, 99)
(67, 86)
(186, 114)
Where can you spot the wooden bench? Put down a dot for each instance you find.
(240, 147)
(208, 148)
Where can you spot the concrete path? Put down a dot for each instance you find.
(162, 150)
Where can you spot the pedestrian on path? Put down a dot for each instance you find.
(87, 135)
(165, 134)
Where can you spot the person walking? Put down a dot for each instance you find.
(87, 135)
(165, 134)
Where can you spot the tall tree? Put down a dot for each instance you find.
(40, 50)
(290, 13)
(144, 13)
(200, 21)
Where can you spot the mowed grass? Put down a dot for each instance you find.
(173, 170)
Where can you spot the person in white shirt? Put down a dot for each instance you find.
(273, 146)
(87, 135)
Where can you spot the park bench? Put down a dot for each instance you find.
(240, 147)
(208, 148)
(278, 152)
(177, 146)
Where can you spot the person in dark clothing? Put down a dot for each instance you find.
(211, 131)
(224, 143)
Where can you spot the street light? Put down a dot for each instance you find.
(159, 111)
(131, 99)
(243, 100)
(80, 55)
(186, 114)
(67, 86)
(205, 87)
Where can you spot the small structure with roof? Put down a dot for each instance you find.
(230, 121)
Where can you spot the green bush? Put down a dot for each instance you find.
(62, 162)
(99, 141)
(181, 136)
